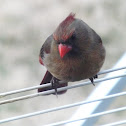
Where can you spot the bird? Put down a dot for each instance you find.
(73, 52)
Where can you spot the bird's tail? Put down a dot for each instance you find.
(47, 78)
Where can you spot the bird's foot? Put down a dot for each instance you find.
(96, 76)
(92, 79)
(55, 83)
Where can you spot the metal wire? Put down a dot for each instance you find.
(49, 84)
(111, 70)
(59, 89)
(66, 106)
(60, 108)
(91, 116)
(116, 123)
(25, 89)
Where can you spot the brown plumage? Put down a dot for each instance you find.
(72, 53)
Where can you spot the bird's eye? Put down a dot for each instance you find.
(73, 36)
(58, 43)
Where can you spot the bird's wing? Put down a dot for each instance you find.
(45, 48)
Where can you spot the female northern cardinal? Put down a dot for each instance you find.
(73, 52)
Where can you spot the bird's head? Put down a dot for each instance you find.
(64, 35)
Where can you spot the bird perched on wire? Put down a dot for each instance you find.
(72, 53)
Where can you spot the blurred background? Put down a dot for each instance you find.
(25, 25)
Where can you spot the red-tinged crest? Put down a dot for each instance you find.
(63, 32)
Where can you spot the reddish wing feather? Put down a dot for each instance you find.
(45, 48)
(40, 60)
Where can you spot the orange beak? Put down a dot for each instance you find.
(64, 49)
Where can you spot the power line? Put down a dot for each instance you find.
(91, 116)
(116, 123)
(59, 89)
(49, 84)
(60, 108)
(111, 70)
(66, 106)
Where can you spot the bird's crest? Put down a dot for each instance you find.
(63, 32)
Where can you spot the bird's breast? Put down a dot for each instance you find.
(69, 70)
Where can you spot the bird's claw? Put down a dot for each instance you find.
(96, 76)
(55, 83)
(92, 79)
